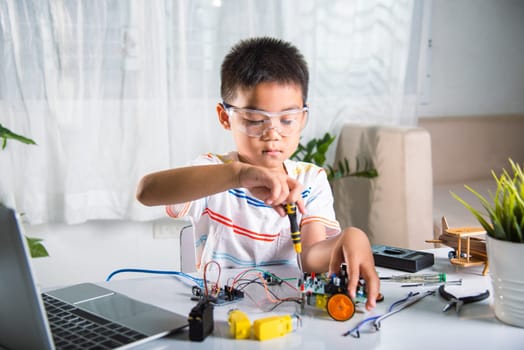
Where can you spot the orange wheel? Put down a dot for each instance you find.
(340, 307)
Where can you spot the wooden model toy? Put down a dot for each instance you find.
(468, 242)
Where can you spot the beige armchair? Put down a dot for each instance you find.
(395, 208)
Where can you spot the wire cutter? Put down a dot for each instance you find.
(458, 302)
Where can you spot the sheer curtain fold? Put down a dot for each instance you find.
(112, 90)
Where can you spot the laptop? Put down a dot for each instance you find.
(81, 316)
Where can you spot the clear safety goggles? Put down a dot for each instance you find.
(254, 122)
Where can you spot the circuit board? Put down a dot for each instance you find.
(222, 296)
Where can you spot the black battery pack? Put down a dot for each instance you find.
(402, 259)
(201, 320)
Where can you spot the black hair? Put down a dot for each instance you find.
(263, 59)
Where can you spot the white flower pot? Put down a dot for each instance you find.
(507, 277)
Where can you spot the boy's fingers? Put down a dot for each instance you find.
(354, 276)
(334, 263)
(372, 290)
(295, 194)
(281, 195)
(280, 210)
(275, 191)
(301, 206)
(274, 188)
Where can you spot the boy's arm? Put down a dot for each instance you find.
(186, 184)
(351, 246)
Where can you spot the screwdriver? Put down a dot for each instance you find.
(291, 211)
(417, 278)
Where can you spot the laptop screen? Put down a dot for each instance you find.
(21, 309)
(23, 324)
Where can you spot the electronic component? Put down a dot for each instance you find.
(224, 295)
(201, 320)
(271, 279)
(275, 326)
(402, 259)
(239, 324)
(263, 328)
(340, 307)
(329, 293)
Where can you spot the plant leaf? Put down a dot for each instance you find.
(315, 152)
(5, 134)
(506, 208)
(36, 248)
(476, 213)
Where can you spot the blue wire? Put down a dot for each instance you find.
(198, 281)
(410, 295)
(355, 331)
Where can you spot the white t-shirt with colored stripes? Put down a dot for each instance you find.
(236, 229)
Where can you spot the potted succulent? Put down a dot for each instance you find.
(503, 220)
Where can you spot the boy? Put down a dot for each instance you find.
(236, 200)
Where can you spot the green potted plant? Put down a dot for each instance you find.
(503, 220)
(36, 247)
(314, 151)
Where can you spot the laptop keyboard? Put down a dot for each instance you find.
(73, 328)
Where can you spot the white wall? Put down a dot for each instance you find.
(476, 59)
(477, 67)
(91, 251)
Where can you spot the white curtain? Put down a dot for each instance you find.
(111, 90)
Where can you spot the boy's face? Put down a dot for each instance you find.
(270, 149)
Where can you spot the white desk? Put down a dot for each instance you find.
(421, 326)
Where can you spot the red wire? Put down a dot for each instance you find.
(206, 291)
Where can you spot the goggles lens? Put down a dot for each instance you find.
(254, 122)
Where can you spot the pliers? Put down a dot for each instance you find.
(458, 302)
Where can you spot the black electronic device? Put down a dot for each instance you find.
(201, 320)
(401, 258)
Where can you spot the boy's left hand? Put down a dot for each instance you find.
(353, 248)
(273, 187)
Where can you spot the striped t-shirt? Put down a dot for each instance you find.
(236, 229)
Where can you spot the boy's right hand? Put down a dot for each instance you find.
(273, 187)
